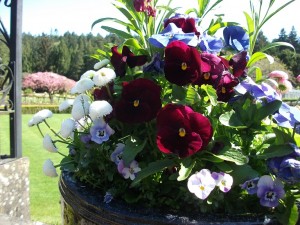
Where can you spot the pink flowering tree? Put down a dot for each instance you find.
(49, 82)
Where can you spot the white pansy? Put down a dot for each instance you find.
(49, 169)
(48, 144)
(40, 117)
(80, 107)
(82, 86)
(223, 180)
(104, 76)
(67, 128)
(99, 109)
(65, 104)
(88, 74)
(101, 64)
(201, 184)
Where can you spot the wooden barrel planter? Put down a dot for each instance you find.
(85, 206)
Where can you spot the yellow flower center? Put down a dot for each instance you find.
(136, 103)
(183, 66)
(182, 132)
(206, 76)
(223, 90)
(202, 188)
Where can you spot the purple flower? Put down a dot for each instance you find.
(129, 171)
(269, 191)
(108, 197)
(257, 91)
(116, 156)
(155, 66)
(173, 33)
(210, 44)
(250, 186)
(236, 38)
(286, 168)
(287, 116)
(223, 180)
(100, 132)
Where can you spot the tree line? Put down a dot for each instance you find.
(70, 54)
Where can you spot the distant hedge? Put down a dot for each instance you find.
(32, 109)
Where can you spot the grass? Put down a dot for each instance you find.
(44, 193)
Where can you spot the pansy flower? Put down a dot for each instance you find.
(287, 116)
(201, 184)
(250, 186)
(116, 156)
(223, 180)
(182, 63)
(140, 101)
(238, 63)
(100, 131)
(269, 191)
(225, 87)
(121, 60)
(129, 171)
(186, 23)
(210, 44)
(182, 131)
(172, 33)
(236, 38)
(212, 68)
(155, 66)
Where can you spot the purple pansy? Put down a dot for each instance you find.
(250, 186)
(108, 198)
(155, 66)
(116, 156)
(100, 132)
(173, 33)
(287, 167)
(287, 116)
(236, 38)
(269, 191)
(129, 171)
(210, 44)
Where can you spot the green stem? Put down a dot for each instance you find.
(40, 130)
(53, 131)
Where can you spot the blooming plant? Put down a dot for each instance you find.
(178, 119)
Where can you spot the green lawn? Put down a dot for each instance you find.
(44, 193)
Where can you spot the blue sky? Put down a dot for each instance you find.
(49, 16)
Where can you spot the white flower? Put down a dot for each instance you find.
(104, 76)
(131, 171)
(40, 117)
(223, 180)
(100, 64)
(67, 128)
(201, 184)
(82, 86)
(88, 74)
(49, 169)
(48, 144)
(99, 109)
(81, 107)
(65, 104)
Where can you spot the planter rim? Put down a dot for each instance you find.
(89, 204)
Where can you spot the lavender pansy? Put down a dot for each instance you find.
(250, 186)
(172, 33)
(210, 44)
(100, 131)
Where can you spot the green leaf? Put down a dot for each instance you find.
(232, 155)
(276, 151)
(186, 167)
(276, 44)
(132, 148)
(120, 33)
(192, 96)
(178, 92)
(153, 168)
(133, 42)
(213, 29)
(211, 93)
(250, 24)
(258, 56)
(243, 173)
(289, 215)
(266, 110)
(230, 119)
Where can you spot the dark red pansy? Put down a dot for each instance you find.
(238, 63)
(188, 25)
(182, 131)
(182, 63)
(212, 68)
(103, 93)
(120, 60)
(140, 101)
(225, 88)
